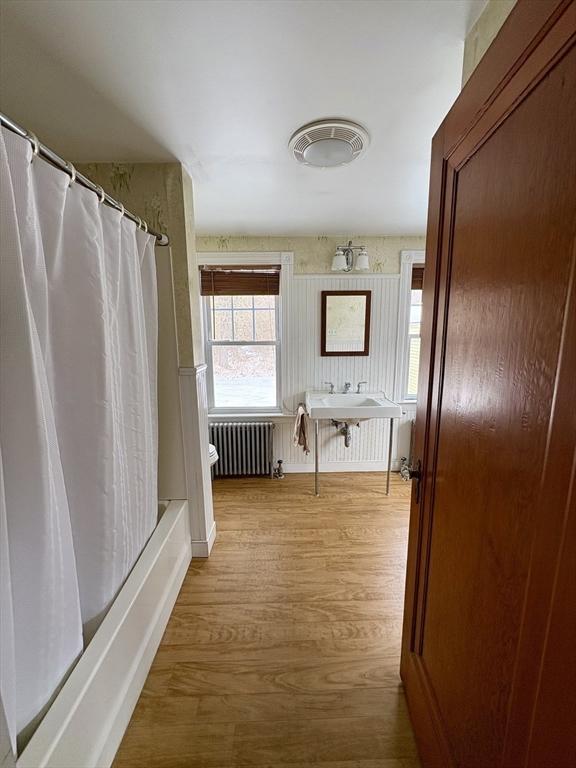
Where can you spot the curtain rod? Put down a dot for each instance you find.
(47, 154)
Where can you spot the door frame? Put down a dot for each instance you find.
(536, 35)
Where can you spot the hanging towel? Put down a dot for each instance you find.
(300, 437)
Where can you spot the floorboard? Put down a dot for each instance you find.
(283, 647)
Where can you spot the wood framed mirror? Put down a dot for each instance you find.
(345, 328)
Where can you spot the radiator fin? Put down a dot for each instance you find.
(244, 448)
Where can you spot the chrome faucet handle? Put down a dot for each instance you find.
(347, 386)
(330, 385)
(359, 386)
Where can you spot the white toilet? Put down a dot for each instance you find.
(212, 454)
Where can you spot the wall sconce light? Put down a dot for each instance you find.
(343, 260)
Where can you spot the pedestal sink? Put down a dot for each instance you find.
(367, 405)
(350, 407)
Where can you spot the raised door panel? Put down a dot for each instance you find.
(555, 711)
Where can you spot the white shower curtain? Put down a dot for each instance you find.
(77, 419)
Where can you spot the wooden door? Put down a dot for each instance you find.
(489, 642)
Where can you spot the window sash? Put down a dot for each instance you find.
(210, 342)
(408, 260)
(232, 311)
(270, 343)
(411, 334)
(408, 395)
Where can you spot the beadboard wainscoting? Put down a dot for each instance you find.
(306, 369)
(303, 368)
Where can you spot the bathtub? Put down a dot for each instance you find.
(84, 726)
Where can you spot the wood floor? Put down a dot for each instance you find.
(283, 648)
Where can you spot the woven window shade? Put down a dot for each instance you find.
(240, 280)
(417, 278)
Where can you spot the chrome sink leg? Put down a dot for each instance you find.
(389, 456)
(316, 459)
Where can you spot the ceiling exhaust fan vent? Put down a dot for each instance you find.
(329, 143)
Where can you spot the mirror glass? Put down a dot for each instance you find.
(345, 322)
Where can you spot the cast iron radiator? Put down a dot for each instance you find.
(244, 448)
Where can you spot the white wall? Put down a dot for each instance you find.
(303, 368)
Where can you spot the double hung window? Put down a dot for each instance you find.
(411, 388)
(241, 311)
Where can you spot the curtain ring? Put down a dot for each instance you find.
(72, 171)
(145, 227)
(139, 222)
(35, 145)
(122, 209)
(100, 193)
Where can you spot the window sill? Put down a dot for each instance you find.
(218, 415)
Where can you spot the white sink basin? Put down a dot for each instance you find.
(368, 405)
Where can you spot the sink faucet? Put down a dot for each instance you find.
(358, 388)
(330, 385)
(347, 387)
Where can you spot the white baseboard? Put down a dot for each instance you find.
(345, 466)
(203, 548)
(84, 726)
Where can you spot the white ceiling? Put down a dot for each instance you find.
(221, 85)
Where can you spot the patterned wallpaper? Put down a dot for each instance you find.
(161, 194)
(483, 32)
(313, 255)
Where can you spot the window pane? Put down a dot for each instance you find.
(221, 302)
(413, 366)
(264, 302)
(416, 297)
(243, 327)
(222, 320)
(265, 321)
(414, 329)
(244, 376)
(242, 302)
(416, 313)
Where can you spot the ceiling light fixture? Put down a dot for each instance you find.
(343, 260)
(328, 143)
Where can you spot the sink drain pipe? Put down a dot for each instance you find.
(344, 428)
